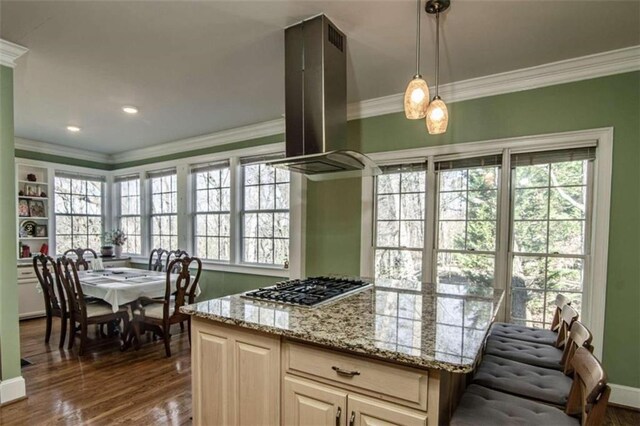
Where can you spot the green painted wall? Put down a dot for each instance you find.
(333, 232)
(220, 148)
(217, 284)
(9, 330)
(70, 161)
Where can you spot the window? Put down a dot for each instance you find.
(467, 220)
(164, 209)
(550, 192)
(212, 226)
(400, 211)
(544, 223)
(265, 214)
(78, 211)
(129, 197)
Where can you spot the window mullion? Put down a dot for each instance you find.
(235, 218)
(430, 216)
(503, 212)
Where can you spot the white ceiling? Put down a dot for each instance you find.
(200, 67)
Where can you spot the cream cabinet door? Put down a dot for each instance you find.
(370, 412)
(235, 375)
(308, 403)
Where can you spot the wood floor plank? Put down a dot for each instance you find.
(109, 387)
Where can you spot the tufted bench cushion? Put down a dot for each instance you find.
(527, 352)
(527, 381)
(527, 334)
(483, 406)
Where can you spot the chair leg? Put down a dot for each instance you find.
(63, 330)
(182, 326)
(167, 337)
(47, 333)
(72, 332)
(83, 339)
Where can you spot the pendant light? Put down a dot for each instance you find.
(416, 97)
(437, 113)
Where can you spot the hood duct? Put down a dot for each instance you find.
(316, 104)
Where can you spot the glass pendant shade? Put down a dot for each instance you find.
(437, 117)
(416, 98)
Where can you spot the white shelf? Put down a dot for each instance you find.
(33, 183)
(29, 197)
(21, 218)
(34, 238)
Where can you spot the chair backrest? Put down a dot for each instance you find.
(52, 289)
(560, 301)
(175, 254)
(589, 393)
(81, 262)
(567, 316)
(156, 261)
(75, 296)
(186, 283)
(579, 337)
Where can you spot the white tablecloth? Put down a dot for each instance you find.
(118, 286)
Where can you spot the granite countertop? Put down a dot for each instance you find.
(440, 326)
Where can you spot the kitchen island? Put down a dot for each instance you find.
(394, 353)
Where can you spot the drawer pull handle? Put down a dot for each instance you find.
(352, 420)
(345, 373)
(26, 273)
(338, 415)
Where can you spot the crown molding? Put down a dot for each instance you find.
(9, 52)
(238, 134)
(62, 151)
(566, 71)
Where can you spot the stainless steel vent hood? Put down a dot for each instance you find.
(316, 104)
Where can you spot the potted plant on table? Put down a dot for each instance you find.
(115, 240)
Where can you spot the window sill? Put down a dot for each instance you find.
(208, 265)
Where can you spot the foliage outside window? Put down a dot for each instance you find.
(129, 190)
(212, 227)
(164, 209)
(549, 236)
(467, 223)
(399, 242)
(265, 215)
(78, 211)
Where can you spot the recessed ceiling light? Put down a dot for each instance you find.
(73, 128)
(130, 109)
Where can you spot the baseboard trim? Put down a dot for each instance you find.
(12, 390)
(626, 396)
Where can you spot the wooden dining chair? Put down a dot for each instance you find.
(82, 313)
(81, 262)
(175, 254)
(542, 355)
(55, 303)
(159, 314)
(587, 404)
(533, 334)
(534, 382)
(157, 259)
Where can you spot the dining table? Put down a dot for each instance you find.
(121, 286)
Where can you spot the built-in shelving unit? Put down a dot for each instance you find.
(33, 194)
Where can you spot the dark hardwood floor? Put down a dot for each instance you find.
(108, 387)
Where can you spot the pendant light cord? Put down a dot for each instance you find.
(437, 50)
(418, 39)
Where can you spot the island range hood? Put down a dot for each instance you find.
(316, 104)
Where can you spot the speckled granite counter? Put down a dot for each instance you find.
(439, 326)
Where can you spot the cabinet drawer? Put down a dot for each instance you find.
(27, 273)
(383, 380)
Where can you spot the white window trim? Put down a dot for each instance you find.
(186, 211)
(594, 301)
